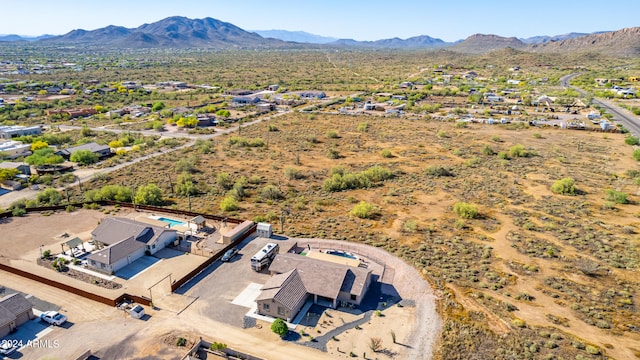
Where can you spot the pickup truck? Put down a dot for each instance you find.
(53, 318)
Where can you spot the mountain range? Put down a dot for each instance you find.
(182, 32)
(172, 32)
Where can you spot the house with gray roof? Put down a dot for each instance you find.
(323, 282)
(101, 150)
(15, 310)
(123, 241)
(283, 296)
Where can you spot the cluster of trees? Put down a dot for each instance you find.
(342, 179)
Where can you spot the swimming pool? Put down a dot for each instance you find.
(172, 222)
(342, 254)
(4, 191)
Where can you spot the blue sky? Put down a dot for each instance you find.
(449, 20)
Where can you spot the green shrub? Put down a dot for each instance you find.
(46, 254)
(636, 154)
(333, 154)
(218, 346)
(229, 203)
(363, 127)
(386, 153)
(593, 350)
(503, 155)
(270, 192)
(487, 150)
(617, 197)
(279, 327)
(437, 171)
(465, 210)
(631, 140)
(518, 150)
(518, 323)
(564, 186)
(181, 341)
(331, 134)
(292, 173)
(363, 210)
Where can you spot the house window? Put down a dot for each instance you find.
(265, 307)
(280, 310)
(353, 297)
(148, 247)
(103, 266)
(153, 246)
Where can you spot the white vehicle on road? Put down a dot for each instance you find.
(53, 318)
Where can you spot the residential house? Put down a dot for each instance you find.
(283, 296)
(470, 75)
(265, 107)
(245, 100)
(491, 97)
(238, 92)
(14, 149)
(627, 92)
(124, 241)
(273, 87)
(312, 94)
(54, 89)
(106, 90)
(73, 113)
(15, 310)
(206, 119)
(101, 150)
(298, 278)
(23, 168)
(9, 132)
(406, 85)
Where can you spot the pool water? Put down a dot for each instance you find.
(172, 222)
(4, 191)
(341, 254)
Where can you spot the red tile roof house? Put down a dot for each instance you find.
(15, 310)
(125, 241)
(299, 278)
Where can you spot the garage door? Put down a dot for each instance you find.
(23, 318)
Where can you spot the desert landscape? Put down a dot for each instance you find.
(494, 180)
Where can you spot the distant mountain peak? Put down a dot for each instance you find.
(295, 36)
(483, 43)
(171, 32)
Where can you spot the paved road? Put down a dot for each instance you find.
(620, 115)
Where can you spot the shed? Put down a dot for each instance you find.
(200, 221)
(236, 232)
(264, 230)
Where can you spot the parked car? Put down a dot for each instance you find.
(53, 318)
(7, 347)
(137, 312)
(230, 254)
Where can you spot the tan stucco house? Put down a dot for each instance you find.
(299, 278)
